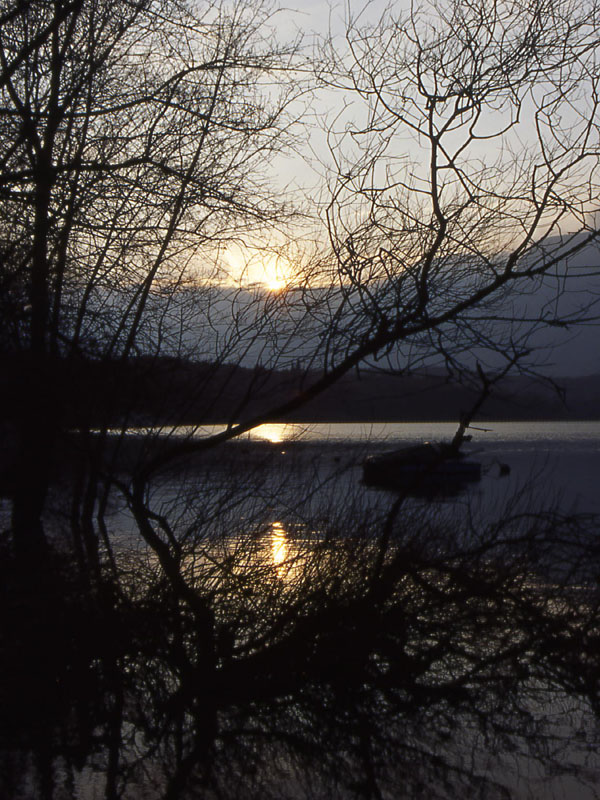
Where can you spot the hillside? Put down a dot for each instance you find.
(168, 391)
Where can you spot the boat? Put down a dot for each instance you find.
(424, 468)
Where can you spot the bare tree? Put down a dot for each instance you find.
(430, 252)
(463, 182)
(465, 174)
(134, 138)
(134, 142)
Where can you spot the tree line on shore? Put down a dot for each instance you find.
(170, 391)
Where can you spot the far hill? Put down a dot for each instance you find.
(170, 391)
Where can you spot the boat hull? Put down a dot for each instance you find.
(424, 468)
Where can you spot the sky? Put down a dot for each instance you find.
(304, 173)
(330, 109)
(577, 355)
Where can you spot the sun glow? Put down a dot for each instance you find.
(277, 432)
(276, 273)
(270, 270)
(279, 548)
(275, 284)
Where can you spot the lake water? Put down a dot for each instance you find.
(283, 475)
(560, 460)
(543, 433)
(539, 435)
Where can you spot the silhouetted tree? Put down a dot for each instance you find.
(462, 187)
(384, 652)
(134, 137)
(455, 251)
(432, 661)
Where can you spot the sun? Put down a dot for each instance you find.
(275, 284)
(276, 274)
(270, 270)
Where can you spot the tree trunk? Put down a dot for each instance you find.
(36, 426)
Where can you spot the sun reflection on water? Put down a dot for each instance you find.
(279, 548)
(275, 432)
(278, 552)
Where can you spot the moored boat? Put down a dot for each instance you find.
(431, 465)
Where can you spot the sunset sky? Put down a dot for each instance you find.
(325, 114)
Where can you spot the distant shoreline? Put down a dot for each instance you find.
(173, 392)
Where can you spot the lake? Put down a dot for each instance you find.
(274, 491)
(285, 476)
(561, 460)
(464, 662)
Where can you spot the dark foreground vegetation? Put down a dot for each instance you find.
(417, 661)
